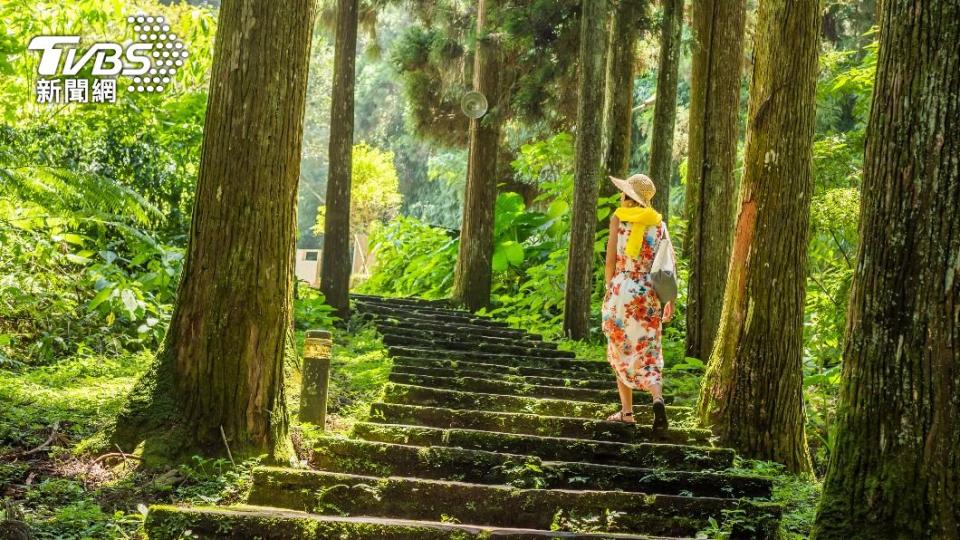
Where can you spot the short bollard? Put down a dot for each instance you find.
(316, 377)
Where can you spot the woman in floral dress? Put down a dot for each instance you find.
(632, 314)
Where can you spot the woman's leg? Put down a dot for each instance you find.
(659, 409)
(656, 392)
(626, 401)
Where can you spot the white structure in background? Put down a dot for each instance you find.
(308, 262)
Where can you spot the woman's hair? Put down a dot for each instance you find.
(627, 201)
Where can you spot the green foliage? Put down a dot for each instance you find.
(412, 259)
(374, 190)
(310, 310)
(94, 198)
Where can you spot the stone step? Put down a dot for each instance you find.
(589, 379)
(455, 334)
(405, 301)
(436, 316)
(503, 506)
(406, 340)
(461, 329)
(645, 454)
(566, 382)
(482, 467)
(501, 359)
(264, 523)
(532, 424)
(459, 399)
(493, 386)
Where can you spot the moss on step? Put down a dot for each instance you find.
(486, 505)
(450, 343)
(507, 377)
(251, 522)
(482, 467)
(502, 359)
(458, 399)
(533, 424)
(493, 386)
(676, 457)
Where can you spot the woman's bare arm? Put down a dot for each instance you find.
(611, 263)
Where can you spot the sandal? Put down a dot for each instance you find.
(621, 416)
(660, 422)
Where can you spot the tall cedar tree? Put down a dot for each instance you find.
(219, 378)
(711, 185)
(618, 100)
(752, 391)
(665, 109)
(471, 283)
(336, 263)
(895, 468)
(583, 223)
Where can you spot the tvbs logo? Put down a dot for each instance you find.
(149, 62)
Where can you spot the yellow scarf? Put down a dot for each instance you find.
(641, 218)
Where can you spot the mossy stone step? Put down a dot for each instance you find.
(464, 337)
(459, 399)
(264, 523)
(428, 315)
(603, 379)
(404, 300)
(460, 329)
(565, 382)
(400, 339)
(532, 424)
(493, 386)
(501, 359)
(421, 499)
(482, 467)
(645, 455)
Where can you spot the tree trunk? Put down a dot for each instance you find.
(895, 468)
(618, 100)
(336, 263)
(711, 185)
(665, 109)
(751, 394)
(583, 222)
(471, 284)
(220, 372)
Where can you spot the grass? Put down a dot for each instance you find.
(47, 412)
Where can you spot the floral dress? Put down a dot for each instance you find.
(632, 312)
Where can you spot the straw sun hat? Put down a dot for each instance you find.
(638, 187)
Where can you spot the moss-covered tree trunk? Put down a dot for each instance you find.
(336, 263)
(895, 467)
(471, 284)
(711, 185)
(220, 372)
(589, 161)
(618, 100)
(665, 109)
(751, 394)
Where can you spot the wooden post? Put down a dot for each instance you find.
(316, 377)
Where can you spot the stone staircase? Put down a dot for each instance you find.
(486, 431)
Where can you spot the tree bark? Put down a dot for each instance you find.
(665, 109)
(336, 263)
(583, 222)
(618, 98)
(895, 468)
(218, 380)
(711, 185)
(474, 273)
(751, 395)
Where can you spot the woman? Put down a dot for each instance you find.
(632, 312)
